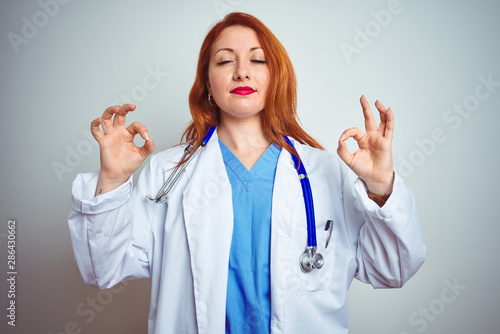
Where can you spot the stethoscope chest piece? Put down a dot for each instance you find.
(310, 260)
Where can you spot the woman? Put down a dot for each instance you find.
(223, 252)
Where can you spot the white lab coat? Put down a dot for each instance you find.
(184, 245)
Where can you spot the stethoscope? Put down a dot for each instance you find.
(309, 259)
(162, 195)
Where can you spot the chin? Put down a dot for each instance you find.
(242, 112)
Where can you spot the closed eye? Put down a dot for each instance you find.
(259, 61)
(223, 62)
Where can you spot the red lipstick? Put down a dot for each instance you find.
(243, 90)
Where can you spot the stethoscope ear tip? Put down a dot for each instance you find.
(162, 199)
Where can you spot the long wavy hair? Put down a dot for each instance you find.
(279, 117)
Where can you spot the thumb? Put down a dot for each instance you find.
(147, 148)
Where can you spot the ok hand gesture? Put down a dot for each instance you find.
(120, 157)
(372, 162)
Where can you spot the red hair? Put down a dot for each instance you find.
(279, 117)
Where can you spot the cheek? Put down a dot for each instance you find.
(218, 82)
(265, 80)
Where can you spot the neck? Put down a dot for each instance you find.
(243, 134)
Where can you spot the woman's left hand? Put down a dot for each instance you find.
(372, 162)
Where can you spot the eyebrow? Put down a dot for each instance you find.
(232, 50)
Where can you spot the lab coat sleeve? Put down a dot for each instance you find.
(389, 247)
(110, 233)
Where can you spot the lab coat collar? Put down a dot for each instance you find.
(208, 216)
(304, 157)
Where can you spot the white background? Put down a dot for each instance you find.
(425, 60)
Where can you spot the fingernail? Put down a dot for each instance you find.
(342, 137)
(147, 136)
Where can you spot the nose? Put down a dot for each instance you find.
(242, 72)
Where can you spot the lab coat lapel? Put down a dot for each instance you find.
(208, 216)
(287, 196)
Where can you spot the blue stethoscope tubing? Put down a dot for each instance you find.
(308, 199)
(309, 259)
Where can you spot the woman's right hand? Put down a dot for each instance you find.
(120, 157)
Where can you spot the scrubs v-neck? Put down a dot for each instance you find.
(248, 303)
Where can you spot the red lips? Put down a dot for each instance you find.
(243, 90)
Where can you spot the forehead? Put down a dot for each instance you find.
(236, 38)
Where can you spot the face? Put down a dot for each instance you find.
(238, 76)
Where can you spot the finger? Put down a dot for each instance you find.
(370, 123)
(380, 106)
(138, 128)
(389, 127)
(121, 113)
(344, 153)
(109, 112)
(342, 150)
(147, 148)
(119, 110)
(107, 125)
(383, 116)
(355, 133)
(95, 130)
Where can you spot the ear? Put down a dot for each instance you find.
(208, 85)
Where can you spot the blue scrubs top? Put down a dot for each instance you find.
(248, 303)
